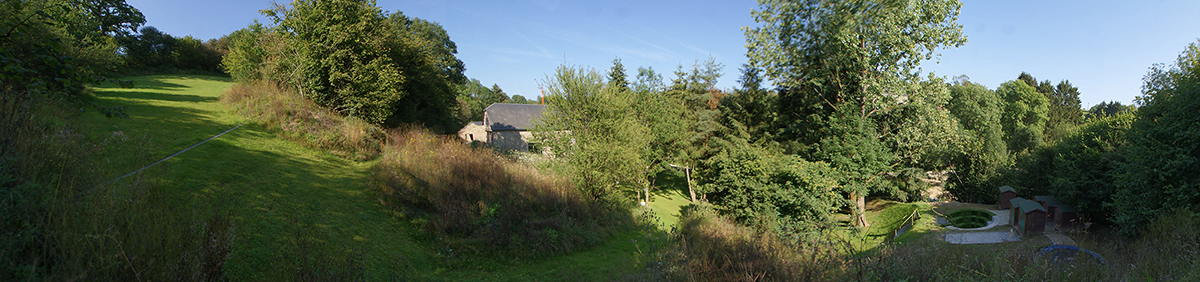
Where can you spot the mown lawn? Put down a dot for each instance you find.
(297, 212)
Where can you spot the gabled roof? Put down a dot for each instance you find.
(1007, 188)
(1028, 206)
(503, 116)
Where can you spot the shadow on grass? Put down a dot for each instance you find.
(670, 182)
(299, 214)
(159, 82)
(162, 96)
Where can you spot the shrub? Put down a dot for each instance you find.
(1162, 159)
(763, 189)
(474, 198)
(298, 119)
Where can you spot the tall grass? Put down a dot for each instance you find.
(710, 247)
(480, 202)
(299, 119)
(61, 220)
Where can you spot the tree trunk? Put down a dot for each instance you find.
(859, 211)
(688, 171)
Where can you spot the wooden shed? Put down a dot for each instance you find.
(1030, 217)
(1048, 203)
(1007, 193)
(1067, 216)
(1012, 213)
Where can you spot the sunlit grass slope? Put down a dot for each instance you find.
(299, 213)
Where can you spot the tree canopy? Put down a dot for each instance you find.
(848, 81)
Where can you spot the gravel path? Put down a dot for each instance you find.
(990, 237)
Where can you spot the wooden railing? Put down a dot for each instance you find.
(906, 225)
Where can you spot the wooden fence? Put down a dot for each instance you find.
(906, 225)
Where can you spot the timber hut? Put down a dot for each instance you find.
(1067, 216)
(1007, 193)
(1048, 203)
(1030, 217)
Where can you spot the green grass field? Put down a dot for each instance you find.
(297, 211)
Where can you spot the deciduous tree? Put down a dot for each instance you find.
(843, 66)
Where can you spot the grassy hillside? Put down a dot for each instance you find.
(298, 213)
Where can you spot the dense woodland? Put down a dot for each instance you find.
(831, 110)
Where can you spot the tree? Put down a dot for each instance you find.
(984, 152)
(350, 56)
(616, 75)
(1063, 114)
(588, 126)
(1064, 106)
(1107, 108)
(841, 66)
(1163, 157)
(426, 55)
(664, 116)
(343, 56)
(1025, 115)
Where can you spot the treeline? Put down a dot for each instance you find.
(353, 57)
(1131, 166)
(846, 119)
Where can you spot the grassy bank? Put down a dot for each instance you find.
(301, 207)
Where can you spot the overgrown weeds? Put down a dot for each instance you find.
(297, 118)
(477, 201)
(709, 247)
(62, 220)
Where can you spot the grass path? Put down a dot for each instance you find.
(296, 210)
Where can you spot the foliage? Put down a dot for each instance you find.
(587, 125)
(616, 76)
(473, 97)
(772, 191)
(350, 56)
(663, 115)
(342, 53)
(474, 199)
(247, 53)
(701, 120)
(849, 80)
(424, 53)
(1108, 108)
(1025, 115)
(1163, 156)
(1078, 170)
(984, 153)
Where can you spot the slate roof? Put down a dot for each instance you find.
(504, 116)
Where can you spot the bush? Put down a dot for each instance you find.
(475, 199)
(782, 192)
(1160, 164)
(298, 119)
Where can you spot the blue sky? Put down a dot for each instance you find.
(1102, 47)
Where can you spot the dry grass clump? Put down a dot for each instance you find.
(477, 200)
(301, 120)
(709, 247)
